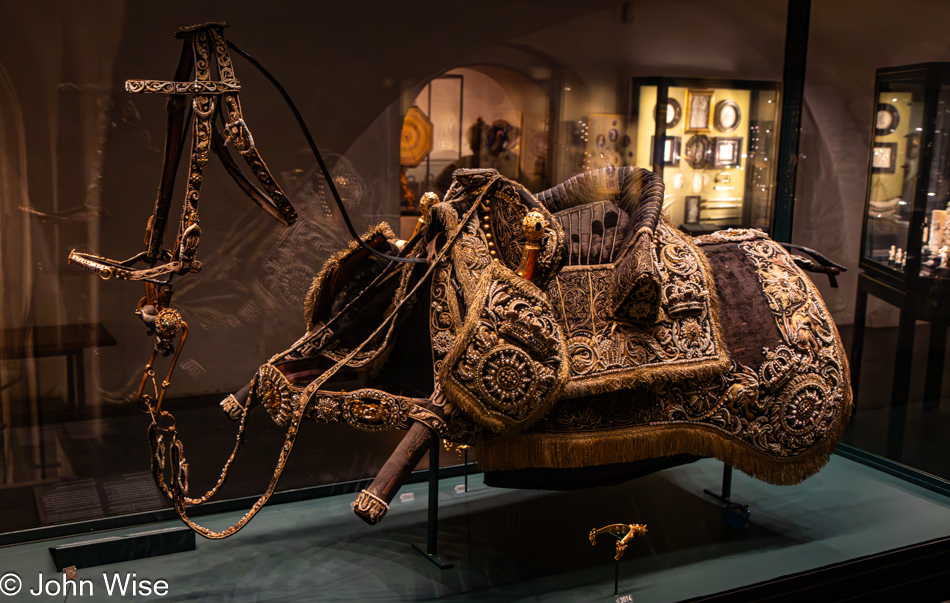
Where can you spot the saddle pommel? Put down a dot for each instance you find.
(534, 226)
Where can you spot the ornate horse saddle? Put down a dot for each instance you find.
(635, 304)
(615, 351)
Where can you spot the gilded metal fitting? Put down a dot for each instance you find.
(428, 200)
(617, 529)
(534, 226)
(370, 508)
(167, 323)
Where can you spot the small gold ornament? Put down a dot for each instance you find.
(628, 531)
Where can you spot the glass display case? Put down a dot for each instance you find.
(906, 232)
(904, 244)
(716, 151)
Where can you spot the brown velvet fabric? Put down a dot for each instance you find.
(748, 324)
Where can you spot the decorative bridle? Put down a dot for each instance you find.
(205, 53)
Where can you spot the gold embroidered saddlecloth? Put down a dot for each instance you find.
(777, 419)
(607, 354)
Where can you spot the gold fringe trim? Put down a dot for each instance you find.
(587, 449)
(310, 301)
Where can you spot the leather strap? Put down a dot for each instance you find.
(200, 43)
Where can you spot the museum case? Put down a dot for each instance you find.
(698, 384)
(717, 150)
(478, 116)
(905, 233)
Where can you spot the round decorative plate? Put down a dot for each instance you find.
(673, 112)
(887, 119)
(415, 142)
(727, 116)
(697, 151)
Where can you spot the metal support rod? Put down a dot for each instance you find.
(936, 355)
(616, 577)
(793, 91)
(432, 529)
(431, 549)
(726, 481)
(465, 463)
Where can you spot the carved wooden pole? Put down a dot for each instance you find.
(373, 502)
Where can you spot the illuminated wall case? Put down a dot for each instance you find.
(718, 146)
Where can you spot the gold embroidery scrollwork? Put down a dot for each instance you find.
(607, 352)
(730, 235)
(796, 397)
(508, 363)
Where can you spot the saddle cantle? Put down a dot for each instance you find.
(636, 192)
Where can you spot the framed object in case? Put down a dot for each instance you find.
(698, 106)
(726, 152)
(887, 119)
(697, 151)
(672, 150)
(884, 158)
(673, 112)
(727, 115)
(691, 214)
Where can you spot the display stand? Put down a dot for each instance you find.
(905, 235)
(62, 340)
(431, 549)
(622, 533)
(465, 466)
(68, 340)
(617, 569)
(929, 305)
(734, 515)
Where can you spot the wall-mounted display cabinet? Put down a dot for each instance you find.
(715, 144)
(906, 233)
